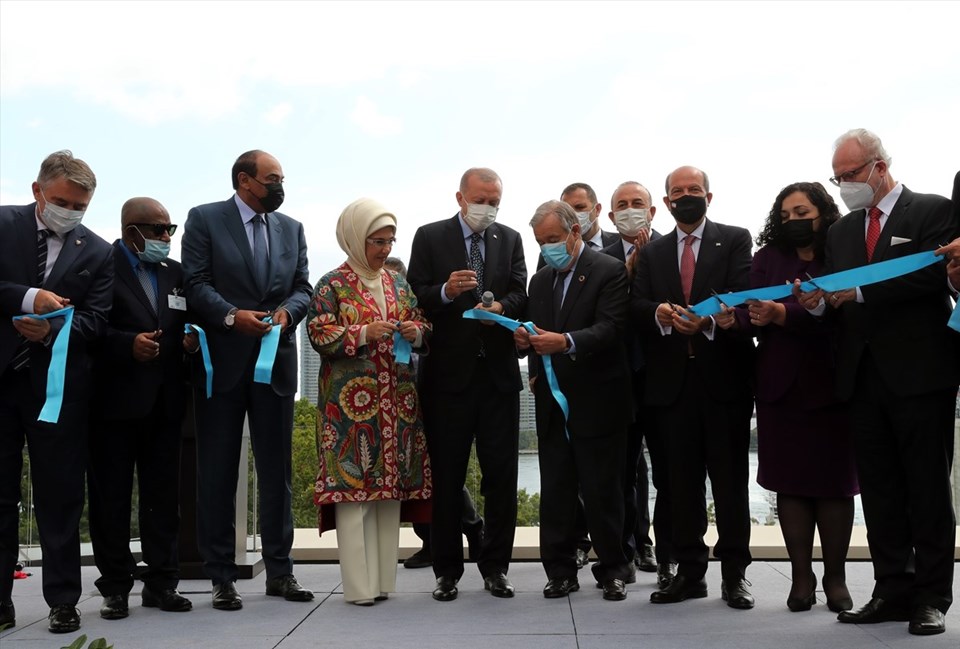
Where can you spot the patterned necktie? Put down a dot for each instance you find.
(21, 358)
(476, 260)
(558, 293)
(630, 251)
(260, 252)
(593, 244)
(144, 277)
(873, 231)
(688, 265)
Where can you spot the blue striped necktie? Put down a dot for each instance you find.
(22, 358)
(143, 275)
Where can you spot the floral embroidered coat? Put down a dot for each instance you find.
(370, 439)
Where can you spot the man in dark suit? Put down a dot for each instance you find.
(896, 365)
(579, 306)
(470, 381)
(139, 403)
(632, 214)
(47, 261)
(242, 261)
(699, 385)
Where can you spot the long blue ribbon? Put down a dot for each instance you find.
(401, 348)
(57, 370)
(869, 274)
(954, 322)
(205, 352)
(263, 370)
(513, 325)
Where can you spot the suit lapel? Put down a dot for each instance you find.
(165, 286)
(898, 214)
(668, 260)
(27, 240)
(578, 278)
(711, 250)
(123, 270)
(276, 248)
(234, 225)
(73, 245)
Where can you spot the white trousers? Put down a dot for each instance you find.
(368, 543)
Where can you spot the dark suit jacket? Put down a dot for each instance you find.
(726, 362)
(438, 249)
(219, 275)
(126, 388)
(615, 248)
(607, 239)
(903, 320)
(594, 313)
(83, 273)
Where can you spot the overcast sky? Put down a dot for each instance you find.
(395, 100)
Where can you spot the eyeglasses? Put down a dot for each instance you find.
(847, 176)
(382, 243)
(158, 228)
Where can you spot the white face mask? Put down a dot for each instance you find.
(480, 217)
(60, 220)
(631, 220)
(857, 196)
(585, 222)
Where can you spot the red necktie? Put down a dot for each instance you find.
(873, 230)
(687, 266)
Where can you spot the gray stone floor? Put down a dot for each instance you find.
(410, 618)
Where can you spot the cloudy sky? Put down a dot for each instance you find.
(395, 100)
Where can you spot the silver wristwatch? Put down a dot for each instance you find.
(230, 318)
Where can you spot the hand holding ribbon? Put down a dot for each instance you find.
(205, 352)
(57, 370)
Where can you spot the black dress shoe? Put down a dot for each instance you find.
(167, 599)
(629, 578)
(226, 597)
(114, 607)
(446, 590)
(927, 620)
(666, 573)
(64, 618)
(419, 559)
(582, 558)
(680, 588)
(287, 587)
(875, 611)
(734, 592)
(560, 587)
(8, 615)
(498, 585)
(614, 590)
(646, 561)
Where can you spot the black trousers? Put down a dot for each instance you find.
(470, 522)
(152, 445)
(588, 467)
(904, 452)
(58, 454)
(707, 437)
(219, 433)
(452, 421)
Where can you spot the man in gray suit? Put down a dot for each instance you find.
(242, 261)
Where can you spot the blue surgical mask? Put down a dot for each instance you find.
(154, 251)
(556, 255)
(60, 220)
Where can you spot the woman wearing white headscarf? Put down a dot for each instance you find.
(370, 440)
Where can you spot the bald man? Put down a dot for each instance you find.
(138, 408)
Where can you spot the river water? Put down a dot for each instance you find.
(762, 502)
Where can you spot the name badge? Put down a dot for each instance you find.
(177, 302)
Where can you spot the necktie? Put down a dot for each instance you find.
(593, 244)
(260, 252)
(21, 358)
(558, 294)
(630, 251)
(687, 266)
(873, 231)
(147, 284)
(476, 260)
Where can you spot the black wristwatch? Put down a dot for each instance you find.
(230, 318)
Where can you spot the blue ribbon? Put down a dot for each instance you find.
(954, 322)
(57, 370)
(862, 276)
(401, 348)
(513, 325)
(263, 370)
(205, 352)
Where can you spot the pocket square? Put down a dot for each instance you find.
(84, 273)
(896, 241)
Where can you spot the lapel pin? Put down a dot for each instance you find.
(718, 244)
(582, 278)
(494, 236)
(77, 242)
(164, 264)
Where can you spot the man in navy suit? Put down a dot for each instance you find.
(698, 385)
(896, 366)
(136, 421)
(470, 381)
(579, 304)
(243, 261)
(47, 261)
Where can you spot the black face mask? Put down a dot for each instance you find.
(688, 209)
(798, 232)
(274, 198)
